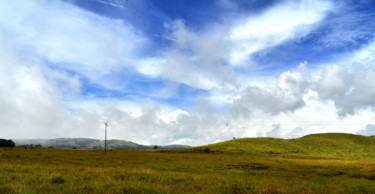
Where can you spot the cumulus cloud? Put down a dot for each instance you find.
(31, 106)
(208, 58)
(50, 49)
(350, 90)
(333, 82)
(195, 59)
(41, 68)
(275, 132)
(279, 131)
(79, 41)
(285, 96)
(44, 52)
(290, 106)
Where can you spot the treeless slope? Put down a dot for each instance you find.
(320, 145)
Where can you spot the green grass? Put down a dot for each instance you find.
(125, 171)
(319, 145)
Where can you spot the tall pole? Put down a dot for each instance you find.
(105, 139)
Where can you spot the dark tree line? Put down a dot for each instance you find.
(7, 143)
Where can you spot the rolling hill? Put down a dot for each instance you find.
(319, 145)
(87, 143)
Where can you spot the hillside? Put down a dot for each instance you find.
(319, 145)
(86, 143)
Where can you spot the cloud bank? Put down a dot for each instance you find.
(64, 70)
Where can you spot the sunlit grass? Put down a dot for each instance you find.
(330, 145)
(124, 171)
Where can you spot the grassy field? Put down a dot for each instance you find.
(80, 171)
(124, 171)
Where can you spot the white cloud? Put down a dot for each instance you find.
(36, 96)
(315, 117)
(196, 58)
(350, 90)
(71, 38)
(286, 95)
(333, 82)
(30, 105)
(41, 100)
(286, 21)
(207, 59)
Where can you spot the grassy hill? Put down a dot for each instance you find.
(319, 145)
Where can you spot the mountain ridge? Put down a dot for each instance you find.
(88, 143)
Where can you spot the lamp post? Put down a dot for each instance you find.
(105, 139)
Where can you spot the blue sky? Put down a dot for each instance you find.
(186, 71)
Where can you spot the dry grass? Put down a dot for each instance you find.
(123, 171)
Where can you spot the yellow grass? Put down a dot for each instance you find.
(124, 171)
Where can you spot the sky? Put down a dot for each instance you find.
(187, 72)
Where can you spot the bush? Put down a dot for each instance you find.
(7, 143)
(38, 146)
(58, 180)
(203, 150)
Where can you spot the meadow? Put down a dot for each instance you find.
(123, 171)
(45, 170)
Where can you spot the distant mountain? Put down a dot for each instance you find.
(317, 145)
(86, 143)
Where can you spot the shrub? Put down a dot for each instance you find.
(58, 180)
(7, 143)
(38, 146)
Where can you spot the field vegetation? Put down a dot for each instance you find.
(43, 170)
(317, 145)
